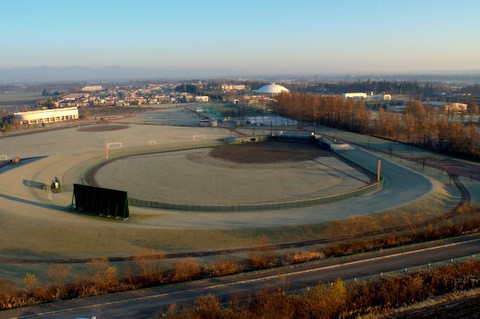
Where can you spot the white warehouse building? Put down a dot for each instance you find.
(355, 95)
(47, 116)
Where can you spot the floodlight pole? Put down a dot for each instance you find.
(378, 172)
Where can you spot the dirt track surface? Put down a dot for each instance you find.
(269, 152)
(232, 175)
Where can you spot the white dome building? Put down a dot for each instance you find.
(272, 89)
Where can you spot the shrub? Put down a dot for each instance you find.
(149, 265)
(104, 277)
(300, 257)
(262, 256)
(223, 267)
(186, 269)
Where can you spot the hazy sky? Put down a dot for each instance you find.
(250, 36)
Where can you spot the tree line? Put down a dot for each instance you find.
(411, 88)
(397, 87)
(419, 125)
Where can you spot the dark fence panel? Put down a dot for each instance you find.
(100, 201)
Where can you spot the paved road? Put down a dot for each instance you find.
(147, 302)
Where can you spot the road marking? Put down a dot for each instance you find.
(293, 273)
(350, 263)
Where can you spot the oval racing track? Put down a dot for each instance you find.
(402, 186)
(25, 209)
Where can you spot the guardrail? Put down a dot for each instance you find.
(300, 203)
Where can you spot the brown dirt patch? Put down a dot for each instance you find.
(268, 152)
(103, 128)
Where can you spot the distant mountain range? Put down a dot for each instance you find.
(117, 73)
(111, 73)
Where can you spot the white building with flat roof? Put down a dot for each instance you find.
(202, 99)
(92, 88)
(233, 87)
(47, 116)
(456, 107)
(355, 95)
(380, 97)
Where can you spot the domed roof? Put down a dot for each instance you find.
(272, 89)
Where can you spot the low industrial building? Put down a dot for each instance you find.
(456, 107)
(448, 107)
(74, 96)
(92, 88)
(47, 116)
(396, 108)
(233, 87)
(355, 95)
(380, 97)
(202, 99)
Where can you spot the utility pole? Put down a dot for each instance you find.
(378, 172)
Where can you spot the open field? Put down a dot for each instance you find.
(55, 232)
(18, 100)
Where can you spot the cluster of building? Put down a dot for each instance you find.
(65, 108)
(399, 104)
(144, 93)
(257, 97)
(97, 96)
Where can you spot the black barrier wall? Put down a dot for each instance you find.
(100, 201)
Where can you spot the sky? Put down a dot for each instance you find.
(248, 36)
